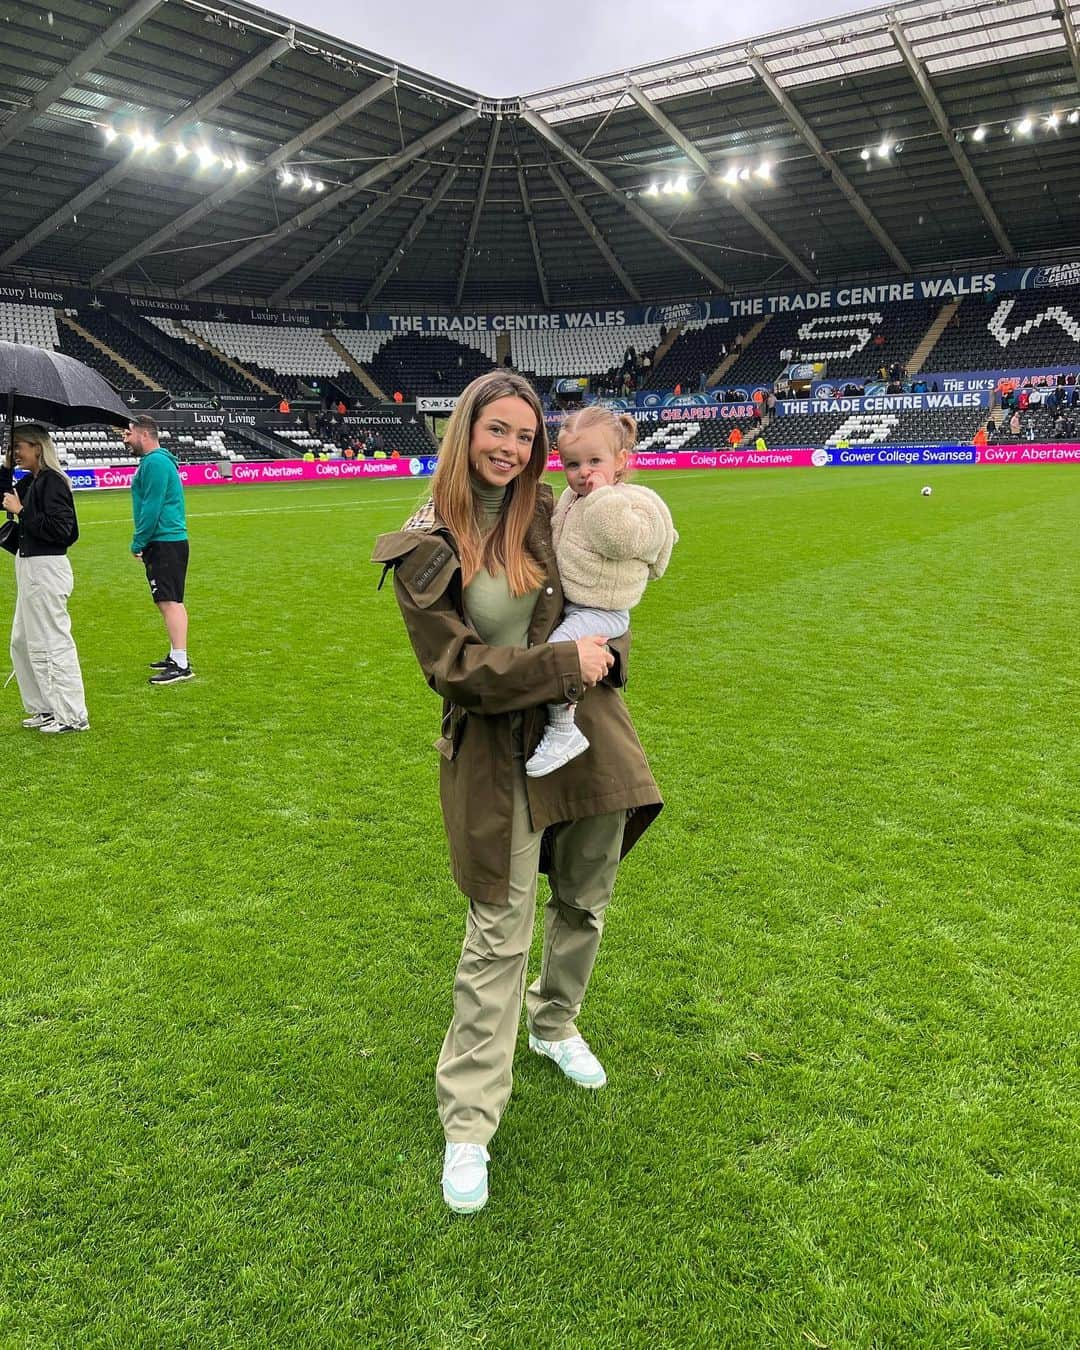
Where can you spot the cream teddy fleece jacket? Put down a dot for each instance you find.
(610, 543)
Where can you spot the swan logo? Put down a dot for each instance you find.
(1061, 274)
(820, 458)
(416, 467)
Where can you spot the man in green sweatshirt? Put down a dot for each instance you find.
(161, 542)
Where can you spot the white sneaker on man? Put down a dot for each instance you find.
(36, 721)
(575, 1059)
(558, 746)
(464, 1177)
(54, 728)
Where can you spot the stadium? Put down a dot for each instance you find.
(832, 274)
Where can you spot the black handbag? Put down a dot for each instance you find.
(9, 536)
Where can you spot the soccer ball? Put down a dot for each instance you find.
(927, 491)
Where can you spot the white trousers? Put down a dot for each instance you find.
(42, 650)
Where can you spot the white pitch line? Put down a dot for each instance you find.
(257, 511)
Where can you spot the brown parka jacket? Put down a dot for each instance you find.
(482, 687)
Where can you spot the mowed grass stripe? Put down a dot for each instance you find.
(837, 998)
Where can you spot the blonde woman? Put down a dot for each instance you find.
(42, 650)
(476, 581)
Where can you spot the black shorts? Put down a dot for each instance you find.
(166, 569)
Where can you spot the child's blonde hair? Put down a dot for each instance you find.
(619, 428)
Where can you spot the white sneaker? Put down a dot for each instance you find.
(464, 1177)
(36, 721)
(575, 1059)
(54, 728)
(556, 748)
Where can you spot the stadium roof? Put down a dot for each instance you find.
(427, 195)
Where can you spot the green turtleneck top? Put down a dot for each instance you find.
(501, 619)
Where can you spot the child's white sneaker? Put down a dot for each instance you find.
(558, 746)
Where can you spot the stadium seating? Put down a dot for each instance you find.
(233, 381)
(100, 446)
(1024, 328)
(416, 364)
(91, 446)
(698, 349)
(847, 341)
(287, 359)
(548, 353)
(119, 338)
(74, 344)
(34, 325)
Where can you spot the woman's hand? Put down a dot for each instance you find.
(595, 660)
(11, 503)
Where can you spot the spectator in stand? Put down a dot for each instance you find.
(399, 397)
(1014, 423)
(678, 390)
(980, 438)
(283, 406)
(308, 456)
(759, 444)
(770, 403)
(1059, 427)
(395, 454)
(1023, 400)
(735, 439)
(350, 453)
(378, 445)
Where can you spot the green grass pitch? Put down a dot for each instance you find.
(837, 998)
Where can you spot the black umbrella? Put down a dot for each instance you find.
(46, 386)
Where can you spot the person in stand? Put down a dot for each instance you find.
(341, 408)
(1014, 423)
(735, 438)
(476, 581)
(161, 542)
(980, 438)
(399, 397)
(43, 652)
(283, 406)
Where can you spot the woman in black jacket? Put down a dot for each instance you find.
(42, 650)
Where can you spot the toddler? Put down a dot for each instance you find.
(611, 537)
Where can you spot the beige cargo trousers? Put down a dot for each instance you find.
(42, 648)
(475, 1070)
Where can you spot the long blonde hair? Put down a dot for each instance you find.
(620, 429)
(503, 548)
(35, 434)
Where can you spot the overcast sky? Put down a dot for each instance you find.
(506, 47)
